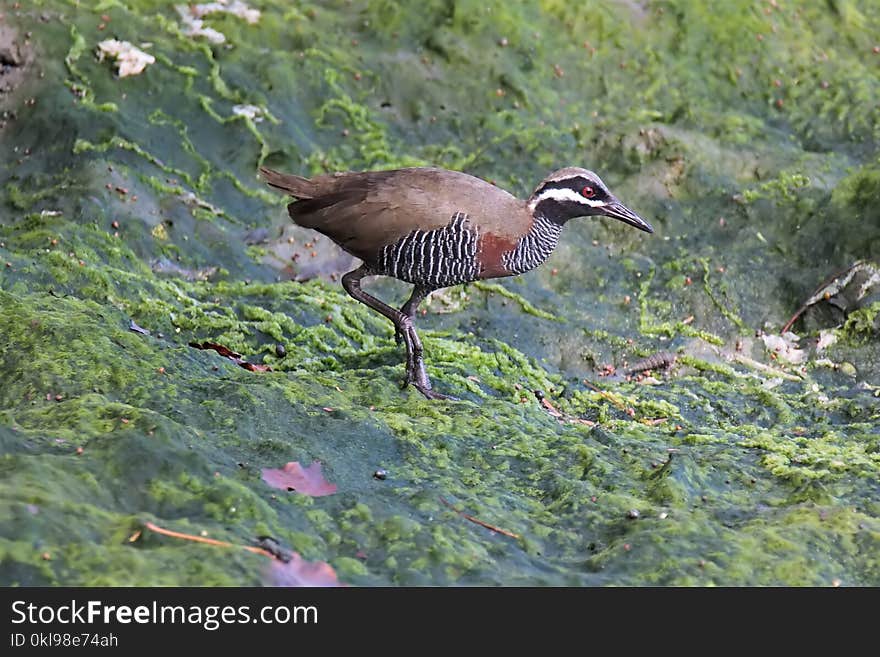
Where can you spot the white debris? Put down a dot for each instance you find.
(189, 198)
(193, 25)
(236, 8)
(130, 60)
(769, 384)
(249, 111)
(785, 347)
(826, 339)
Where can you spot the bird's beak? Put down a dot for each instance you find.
(618, 210)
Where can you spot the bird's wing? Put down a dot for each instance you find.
(363, 212)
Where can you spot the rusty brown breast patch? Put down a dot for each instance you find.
(490, 250)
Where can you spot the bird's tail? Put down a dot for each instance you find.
(296, 186)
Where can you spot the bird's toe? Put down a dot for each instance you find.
(433, 394)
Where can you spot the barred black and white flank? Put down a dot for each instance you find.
(435, 258)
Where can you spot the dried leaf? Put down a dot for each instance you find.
(231, 355)
(299, 572)
(294, 477)
(550, 407)
(219, 348)
(255, 367)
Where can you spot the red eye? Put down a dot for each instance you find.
(588, 192)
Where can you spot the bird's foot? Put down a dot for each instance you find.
(433, 394)
(418, 377)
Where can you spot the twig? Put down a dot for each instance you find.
(833, 285)
(761, 367)
(479, 522)
(203, 539)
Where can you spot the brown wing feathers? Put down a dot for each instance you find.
(296, 186)
(322, 201)
(365, 211)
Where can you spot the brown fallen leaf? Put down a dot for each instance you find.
(293, 477)
(299, 572)
(219, 348)
(255, 367)
(231, 355)
(550, 407)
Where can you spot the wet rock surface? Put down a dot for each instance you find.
(747, 134)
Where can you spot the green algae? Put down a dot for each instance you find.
(784, 188)
(741, 476)
(79, 85)
(494, 288)
(862, 324)
(82, 146)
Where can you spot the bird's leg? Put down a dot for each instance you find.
(409, 308)
(415, 365)
(352, 284)
(415, 362)
(416, 372)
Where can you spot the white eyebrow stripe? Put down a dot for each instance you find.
(565, 194)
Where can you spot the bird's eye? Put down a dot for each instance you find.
(588, 192)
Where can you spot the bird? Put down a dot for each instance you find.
(435, 228)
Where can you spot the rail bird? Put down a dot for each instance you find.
(436, 228)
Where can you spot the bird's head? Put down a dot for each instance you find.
(575, 192)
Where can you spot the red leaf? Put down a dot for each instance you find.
(255, 367)
(294, 477)
(299, 572)
(219, 348)
(231, 355)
